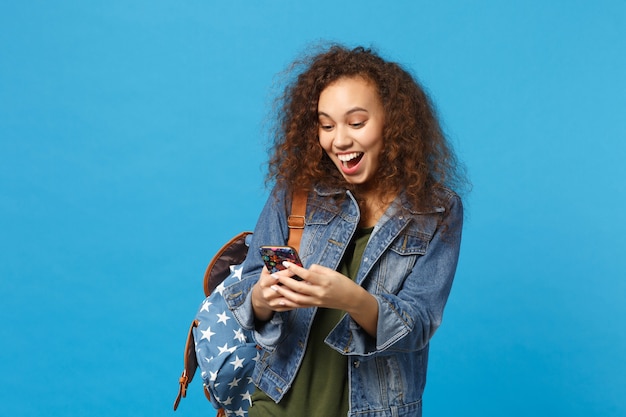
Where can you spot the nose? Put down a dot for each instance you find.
(342, 138)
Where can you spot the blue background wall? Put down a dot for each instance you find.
(132, 146)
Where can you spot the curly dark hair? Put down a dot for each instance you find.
(416, 156)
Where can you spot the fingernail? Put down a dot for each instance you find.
(275, 276)
(274, 287)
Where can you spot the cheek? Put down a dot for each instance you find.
(324, 141)
(374, 140)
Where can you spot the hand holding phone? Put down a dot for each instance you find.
(274, 256)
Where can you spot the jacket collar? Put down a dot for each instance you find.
(400, 200)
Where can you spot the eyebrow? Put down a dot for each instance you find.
(352, 110)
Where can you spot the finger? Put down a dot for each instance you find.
(296, 270)
(266, 280)
(283, 273)
(284, 304)
(279, 298)
(291, 283)
(293, 293)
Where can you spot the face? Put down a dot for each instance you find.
(351, 118)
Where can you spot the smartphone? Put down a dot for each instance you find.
(273, 257)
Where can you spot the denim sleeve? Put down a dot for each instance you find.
(271, 229)
(408, 319)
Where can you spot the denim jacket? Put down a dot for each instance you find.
(408, 266)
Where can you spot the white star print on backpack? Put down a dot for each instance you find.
(226, 353)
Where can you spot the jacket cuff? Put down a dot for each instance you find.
(239, 300)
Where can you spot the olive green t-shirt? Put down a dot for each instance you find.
(320, 388)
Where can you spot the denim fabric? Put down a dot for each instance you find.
(408, 265)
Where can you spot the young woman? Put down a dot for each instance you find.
(379, 248)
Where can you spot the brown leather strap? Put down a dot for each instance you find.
(295, 221)
(190, 365)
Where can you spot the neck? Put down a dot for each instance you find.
(372, 207)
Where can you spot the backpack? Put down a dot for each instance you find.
(224, 352)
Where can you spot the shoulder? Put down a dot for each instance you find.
(444, 215)
(449, 200)
(443, 200)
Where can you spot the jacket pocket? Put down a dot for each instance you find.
(415, 238)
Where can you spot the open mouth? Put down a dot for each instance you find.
(350, 160)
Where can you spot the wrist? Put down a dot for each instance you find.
(364, 311)
(261, 312)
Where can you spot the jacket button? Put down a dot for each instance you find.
(356, 364)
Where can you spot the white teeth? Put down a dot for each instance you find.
(348, 156)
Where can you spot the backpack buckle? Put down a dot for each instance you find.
(295, 222)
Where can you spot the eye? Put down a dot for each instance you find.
(326, 126)
(357, 125)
